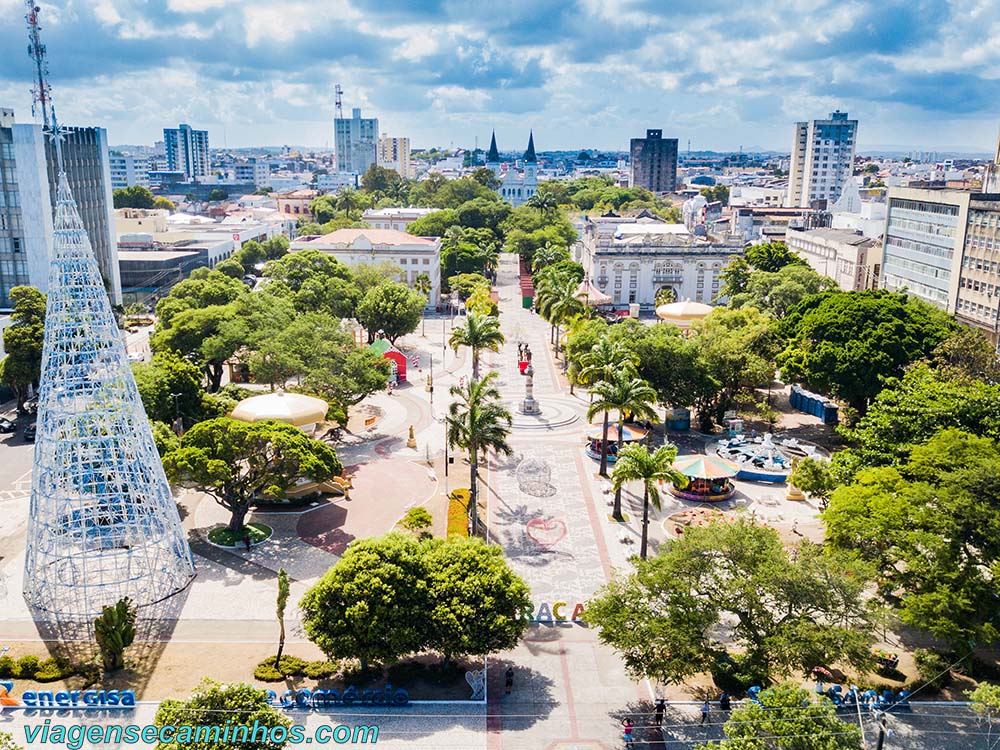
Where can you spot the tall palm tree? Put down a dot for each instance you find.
(544, 202)
(479, 332)
(636, 463)
(557, 303)
(604, 358)
(625, 393)
(348, 201)
(478, 421)
(548, 255)
(423, 285)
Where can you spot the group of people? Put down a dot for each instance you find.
(628, 725)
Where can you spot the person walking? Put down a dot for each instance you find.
(661, 706)
(246, 540)
(508, 680)
(627, 728)
(705, 708)
(725, 702)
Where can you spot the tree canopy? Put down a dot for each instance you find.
(135, 196)
(22, 342)
(392, 310)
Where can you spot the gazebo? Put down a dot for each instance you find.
(630, 434)
(708, 478)
(590, 294)
(297, 409)
(684, 313)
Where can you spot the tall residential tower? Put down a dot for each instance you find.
(822, 160)
(187, 151)
(654, 162)
(356, 139)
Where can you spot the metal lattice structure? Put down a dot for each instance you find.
(103, 523)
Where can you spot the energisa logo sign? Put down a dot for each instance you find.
(80, 699)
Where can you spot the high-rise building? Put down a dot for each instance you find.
(187, 151)
(27, 195)
(128, 170)
(394, 153)
(822, 160)
(88, 169)
(654, 162)
(252, 170)
(356, 139)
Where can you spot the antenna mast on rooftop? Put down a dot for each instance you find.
(41, 92)
(339, 101)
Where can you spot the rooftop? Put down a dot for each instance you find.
(347, 238)
(138, 255)
(843, 236)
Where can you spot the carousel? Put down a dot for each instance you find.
(630, 434)
(709, 479)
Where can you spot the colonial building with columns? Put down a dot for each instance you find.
(631, 259)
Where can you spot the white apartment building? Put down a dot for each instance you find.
(394, 218)
(252, 170)
(822, 159)
(394, 153)
(632, 261)
(355, 247)
(849, 258)
(335, 181)
(187, 151)
(356, 139)
(853, 213)
(128, 170)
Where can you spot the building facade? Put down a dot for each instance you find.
(296, 203)
(822, 160)
(977, 301)
(653, 162)
(128, 170)
(849, 258)
(633, 261)
(355, 247)
(394, 153)
(253, 170)
(515, 187)
(187, 151)
(394, 218)
(356, 140)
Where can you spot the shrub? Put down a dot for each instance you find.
(416, 519)
(8, 667)
(27, 666)
(291, 666)
(933, 668)
(53, 669)
(458, 512)
(320, 670)
(265, 672)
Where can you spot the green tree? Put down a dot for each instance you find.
(626, 394)
(787, 717)
(556, 302)
(343, 375)
(235, 462)
(231, 268)
(483, 213)
(323, 208)
(778, 292)
(602, 360)
(486, 178)
(467, 283)
(672, 364)
(848, 343)
(164, 204)
(476, 600)
(372, 605)
(203, 288)
(135, 196)
(636, 464)
(985, 701)
(171, 386)
(812, 476)
(967, 355)
(198, 334)
(478, 332)
(717, 193)
(548, 255)
(435, 224)
(217, 194)
(771, 256)
(279, 610)
(380, 180)
(931, 528)
(393, 310)
(544, 202)
(783, 612)
(114, 631)
(417, 519)
(478, 421)
(240, 704)
(21, 369)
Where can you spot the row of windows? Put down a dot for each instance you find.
(919, 247)
(984, 312)
(977, 286)
(924, 207)
(932, 294)
(425, 261)
(920, 227)
(971, 262)
(921, 269)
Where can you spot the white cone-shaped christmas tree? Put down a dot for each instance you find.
(103, 524)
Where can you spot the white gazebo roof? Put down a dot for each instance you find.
(294, 408)
(686, 310)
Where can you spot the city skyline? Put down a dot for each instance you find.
(915, 75)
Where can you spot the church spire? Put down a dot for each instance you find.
(529, 155)
(493, 157)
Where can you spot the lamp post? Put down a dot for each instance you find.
(178, 422)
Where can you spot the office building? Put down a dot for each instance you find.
(849, 258)
(336, 181)
(977, 300)
(254, 171)
(654, 162)
(128, 170)
(187, 151)
(356, 139)
(394, 153)
(413, 255)
(822, 160)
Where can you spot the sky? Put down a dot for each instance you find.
(589, 73)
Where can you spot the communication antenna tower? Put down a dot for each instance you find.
(41, 92)
(339, 101)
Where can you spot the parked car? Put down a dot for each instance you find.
(7, 425)
(29, 432)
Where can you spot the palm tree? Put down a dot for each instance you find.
(478, 421)
(348, 201)
(548, 255)
(557, 303)
(636, 463)
(544, 202)
(624, 393)
(479, 332)
(423, 285)
(604, 358)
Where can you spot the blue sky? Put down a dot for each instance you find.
(921, 73)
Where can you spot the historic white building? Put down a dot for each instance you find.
(632, 259)
(355, 247)
(515, 187)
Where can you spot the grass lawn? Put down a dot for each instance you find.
(224, 537)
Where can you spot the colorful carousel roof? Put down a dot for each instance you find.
(706, 467)
(631, 433)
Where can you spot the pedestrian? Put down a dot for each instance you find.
(725, 701)
(661, 706)
(705, 708)
(627, 726)
(508, 680)
(246, 540)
